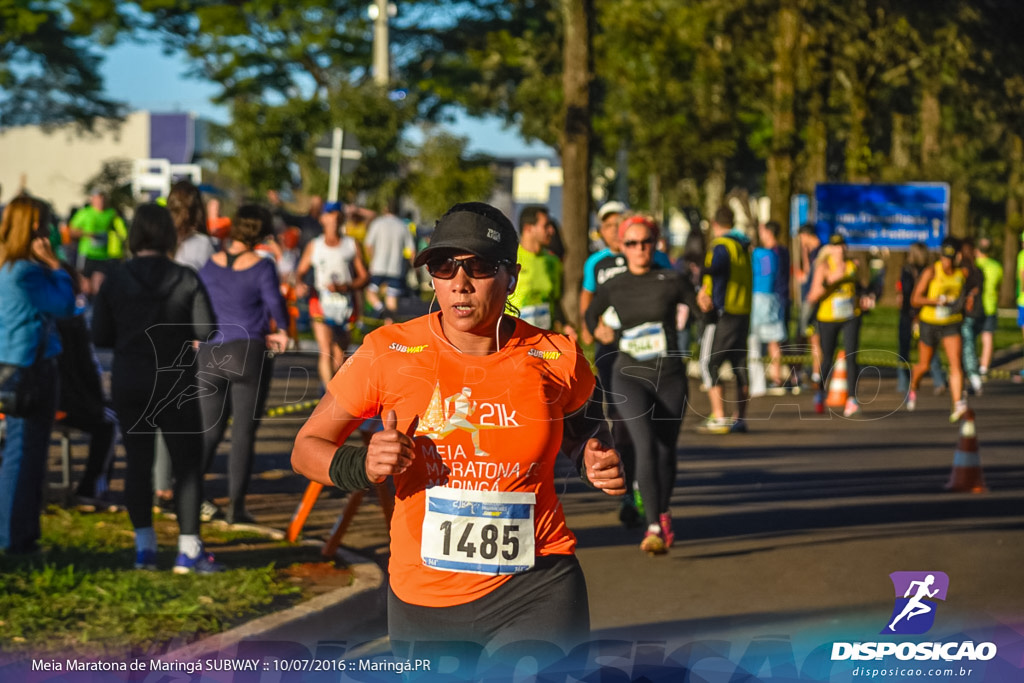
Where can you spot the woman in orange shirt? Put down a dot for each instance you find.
(476, 406)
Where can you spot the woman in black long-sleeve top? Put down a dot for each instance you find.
(649, 377)
(151, 311)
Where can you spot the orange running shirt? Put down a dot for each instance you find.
(487, 423)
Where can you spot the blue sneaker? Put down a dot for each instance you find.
(201, 564)
(145, 559)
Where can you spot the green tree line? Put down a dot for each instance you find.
(773, 96)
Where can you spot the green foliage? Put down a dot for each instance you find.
(290, 73)
(114, 180)
(502, 58)
(442, 176)
(877, 90)
(84, 598)
(49, 73)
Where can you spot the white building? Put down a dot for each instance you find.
(55, 165)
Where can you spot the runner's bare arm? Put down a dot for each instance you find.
(920, 296)
(603, 468)
(328, 427)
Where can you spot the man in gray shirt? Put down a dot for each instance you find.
(389, 247)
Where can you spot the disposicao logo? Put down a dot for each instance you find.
(913, 614)
(916, 593)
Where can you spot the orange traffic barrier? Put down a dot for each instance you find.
(837, 385)
(355, 499)
(966, 475)
(302, 512)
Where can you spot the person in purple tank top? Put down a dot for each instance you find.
(236, 364)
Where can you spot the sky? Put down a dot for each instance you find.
(145, 78)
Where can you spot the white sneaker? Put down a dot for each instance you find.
(975, 381)
(852, 408)
(716, 425)
(911, 400)
(958, 411)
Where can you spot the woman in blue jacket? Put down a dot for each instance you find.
(35, 291)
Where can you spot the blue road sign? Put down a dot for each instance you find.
(893, 216)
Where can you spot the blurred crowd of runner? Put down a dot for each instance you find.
(251, 284)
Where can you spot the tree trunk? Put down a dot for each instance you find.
(900, 149)
(816, 166)
(858, 151)
(714, 188)
(959, 208)
(575, 148)
(931, 122)
(655, 197)
(780, 163)
(1014, 223)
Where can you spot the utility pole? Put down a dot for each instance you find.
(381, 11)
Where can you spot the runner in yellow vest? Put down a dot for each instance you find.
(1020, 297)
(993, 272)
(538, 290)
(940, 294)
(725, 301)
(837, 290)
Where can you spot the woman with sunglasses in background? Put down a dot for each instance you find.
(643, 306)
(476, 406)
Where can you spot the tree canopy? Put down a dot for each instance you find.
(699, 97)
(49, 71)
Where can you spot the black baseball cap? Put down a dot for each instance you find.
(950, 247)
(475, 228)
(836, 238)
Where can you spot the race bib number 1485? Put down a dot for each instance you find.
(480, 532)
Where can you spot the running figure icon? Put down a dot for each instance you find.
(916, 606)
(463, 407)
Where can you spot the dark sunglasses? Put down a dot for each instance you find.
(475, 267)
(630, 244)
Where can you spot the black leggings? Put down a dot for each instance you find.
(546, 605)
(144, 401)
(652, 406)
(236, 377)
(829, 335)
(99, 424)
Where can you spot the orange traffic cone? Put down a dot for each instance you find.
(837, 386)
(966, 475)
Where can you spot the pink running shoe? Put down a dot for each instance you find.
(666, 528)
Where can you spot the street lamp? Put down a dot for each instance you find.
(379, 13)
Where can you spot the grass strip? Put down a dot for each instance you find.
(81, 595)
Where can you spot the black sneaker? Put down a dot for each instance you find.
(629, 515)
(241, 517)
(165, 507)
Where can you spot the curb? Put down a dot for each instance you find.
(317, 618)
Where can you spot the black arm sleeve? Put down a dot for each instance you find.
(688, 295)
(348, 468)
(579, 427)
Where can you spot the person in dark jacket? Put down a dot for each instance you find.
(152, 311)
(82, 400)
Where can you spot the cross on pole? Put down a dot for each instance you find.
(336, 152)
